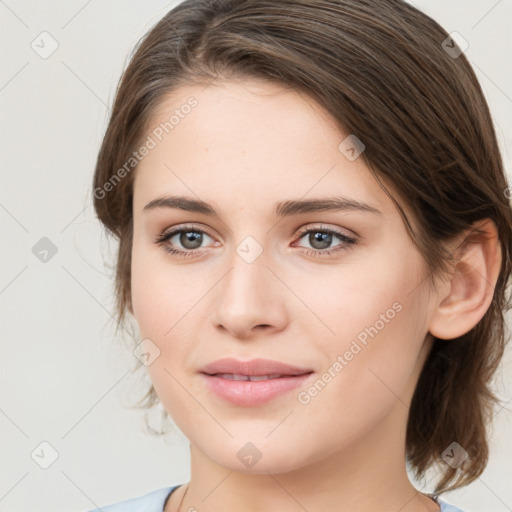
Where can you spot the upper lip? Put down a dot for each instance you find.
(252, 367)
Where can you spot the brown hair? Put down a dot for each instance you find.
(382, 71)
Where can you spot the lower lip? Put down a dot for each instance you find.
(248, 393)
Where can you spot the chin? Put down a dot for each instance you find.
(253, 457)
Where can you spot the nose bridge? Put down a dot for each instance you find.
(243, 286)
(248, 295)
(247, 256)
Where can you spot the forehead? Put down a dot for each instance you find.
(233, 117)
(249, 140)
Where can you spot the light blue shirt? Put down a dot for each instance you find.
(154, 502)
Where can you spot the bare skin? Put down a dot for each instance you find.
(245, 147)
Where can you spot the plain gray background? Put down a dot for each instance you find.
(64, 376)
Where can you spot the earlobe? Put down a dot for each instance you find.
(468, 294)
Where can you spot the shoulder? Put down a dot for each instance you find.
(151, 502)
(446, 507)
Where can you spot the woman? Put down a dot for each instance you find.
(315, 239)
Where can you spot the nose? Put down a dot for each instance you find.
(250, 300)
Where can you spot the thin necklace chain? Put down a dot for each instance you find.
(182, 498)
(432, 496)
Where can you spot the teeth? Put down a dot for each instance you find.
(232, 376)
(264, 377)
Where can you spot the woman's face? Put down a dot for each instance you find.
(267, 272)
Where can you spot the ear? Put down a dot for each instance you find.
(465, 297)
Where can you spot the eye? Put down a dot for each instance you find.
(190, 238)
(186, 241)
(321, 240)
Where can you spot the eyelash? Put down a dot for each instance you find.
(347, 241)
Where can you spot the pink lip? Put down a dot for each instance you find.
(252, 393)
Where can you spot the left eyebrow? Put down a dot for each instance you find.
(282, 209)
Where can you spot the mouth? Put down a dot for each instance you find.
(252, 378)
(252, 390)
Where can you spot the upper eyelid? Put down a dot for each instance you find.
(336, 231)
(173, 231)
(301, 230)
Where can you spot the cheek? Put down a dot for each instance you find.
(365, 301)
(161, 292)
(163, 303)
(379, 321)
(148, 302)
